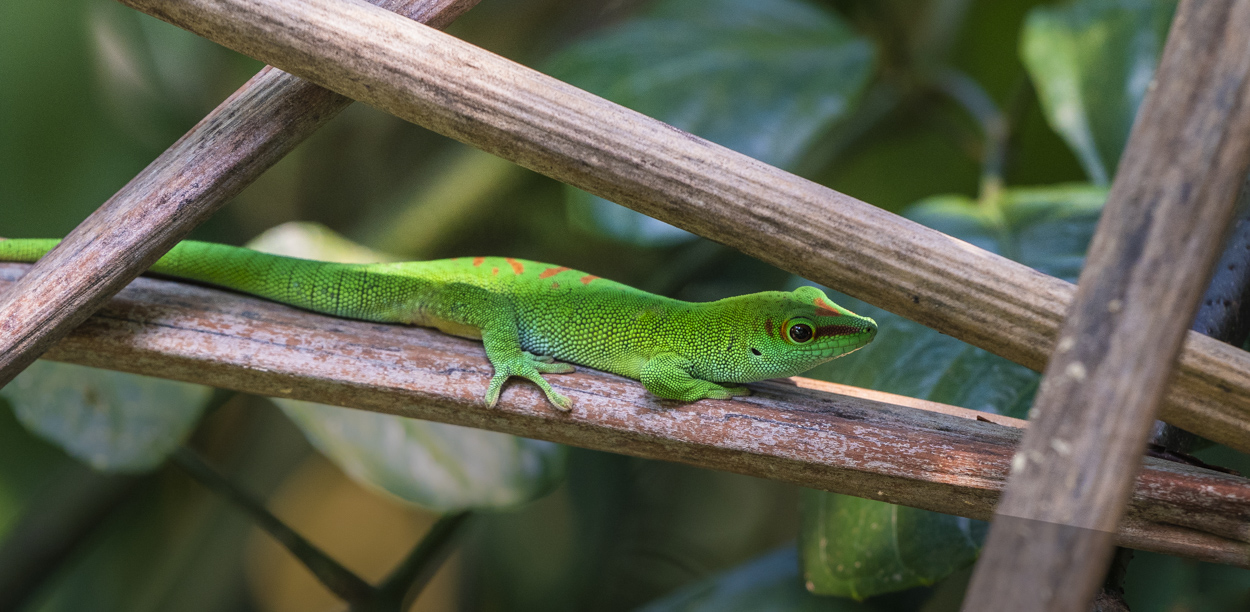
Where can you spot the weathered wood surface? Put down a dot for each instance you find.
(944, 462)
(1159, 237)
(225, 152)
(459, 90)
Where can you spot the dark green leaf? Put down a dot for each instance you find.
(860, 548)
(110, 420)
(770, 583)
(1092, 61)
(763, 77)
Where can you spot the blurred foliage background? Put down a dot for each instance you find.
(997, 121)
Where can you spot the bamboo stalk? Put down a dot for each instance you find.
(1160, 235)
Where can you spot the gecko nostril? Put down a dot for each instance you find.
(755, 352)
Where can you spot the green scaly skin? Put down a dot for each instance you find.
(531, 314)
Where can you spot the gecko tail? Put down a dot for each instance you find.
(26, 250)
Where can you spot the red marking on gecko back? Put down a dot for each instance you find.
(549, 272)
(589, 277)
(555, 285)
(477, 261)
(823, 309)
(517, 268)
(494, 271)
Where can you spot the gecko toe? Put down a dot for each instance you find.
(562, 403)
(555, 368)
(547, 364)
(495, 388)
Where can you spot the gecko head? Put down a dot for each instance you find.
(791, 332)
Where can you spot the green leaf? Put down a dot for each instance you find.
(763, 77)
(860, 548)
(770, 583)
(110, 420)
(442, 467)
(1092, 62)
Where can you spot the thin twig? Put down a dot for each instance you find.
(1110, 597)
(970, 96)
(342, 582)
(409, 578)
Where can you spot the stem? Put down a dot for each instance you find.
(1110, 597)
(969, 94)
(342, 582)
(404, 585)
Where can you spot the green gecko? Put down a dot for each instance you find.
(530, 314)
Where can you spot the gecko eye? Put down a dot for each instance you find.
(800, 332)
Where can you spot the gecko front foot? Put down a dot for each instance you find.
(667, 375)
(529, 367)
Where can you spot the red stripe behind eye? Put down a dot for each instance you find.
(825, 331)
(768, 327)
(823, 309)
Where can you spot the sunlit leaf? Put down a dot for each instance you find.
(314, 241)
(1091, 62)
(442, 467)
(109, 420)
(860, 548)
(762, 77)
(770, 583)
